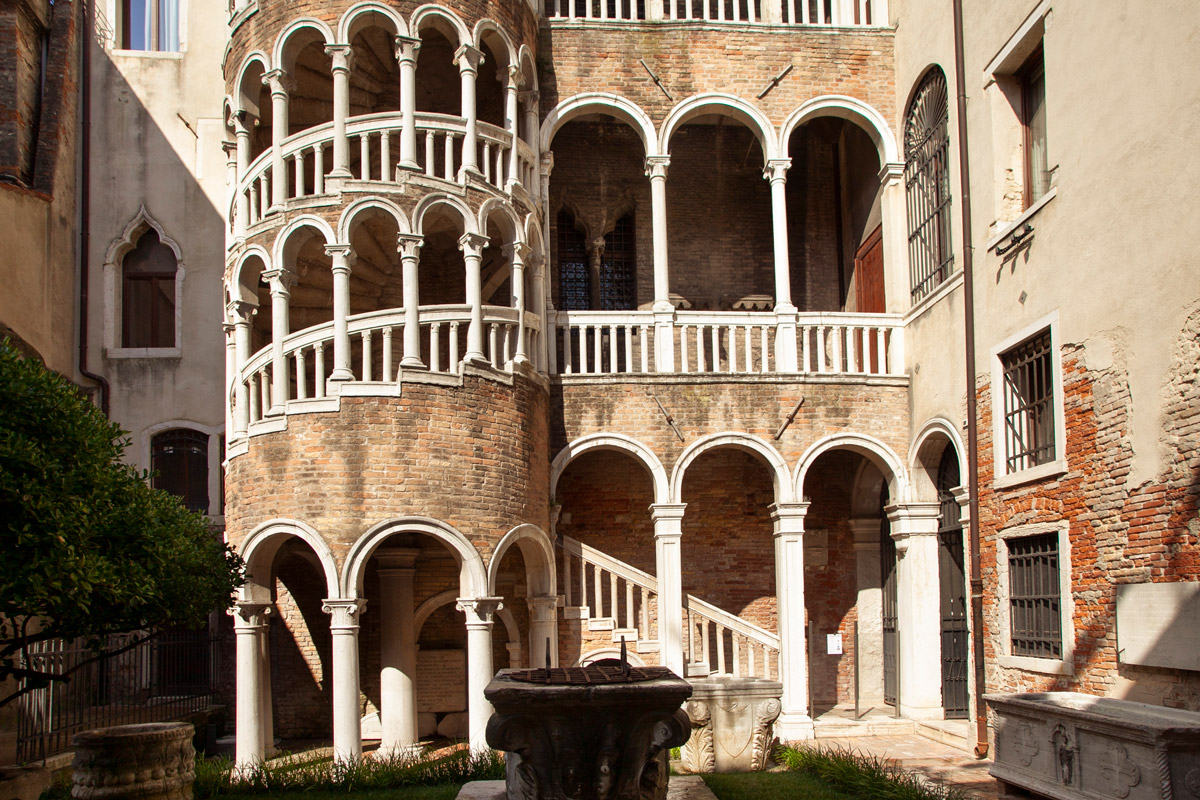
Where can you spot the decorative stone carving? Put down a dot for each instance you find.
(152, 761)
(731, 724)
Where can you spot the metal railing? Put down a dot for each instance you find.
(166, 676)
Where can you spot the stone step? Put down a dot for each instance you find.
(601, 624)
(953, 732)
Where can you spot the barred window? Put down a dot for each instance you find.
(618, 278)
(574, 274)
(1028, 404)
(180, 460)
(1034, 596)
(927, 184)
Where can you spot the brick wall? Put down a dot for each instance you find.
(301, 651)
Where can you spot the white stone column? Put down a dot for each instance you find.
(543, 627)
(397, 649)
(529, 100)
(281, 85)
(512, 124)
(249, 628)
(343, 263)
(537, 263)
(229, 328)
(242, 123)
(240, 313)
(281, 281)
(794, 721)
(472, 245)
(343, 61)
(518, 252)
(668, 565)
(870, 609)
(785, 310)
(894, 216)
(409, 245)
(406, 54)
(347, 718)
(479, 611)
(664, 310)
(914, 528)
(468, 59)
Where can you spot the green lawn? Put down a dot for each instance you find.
(445, 792)
(771, 786)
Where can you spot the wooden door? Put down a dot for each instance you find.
(868, 295)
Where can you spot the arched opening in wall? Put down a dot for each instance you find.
(605, 498)
(511, 642)
(254, 108)
(728, 555)
(375, 77)
(492, 83)
(310, 99)
(927, 184)
(310, 301)
(148, 273)
(442, 279)
(835, 245)
(248, 290)
(179, 461)
(439, 88)
(496, 268)
(597, 187)
(376, 284)
(719, 217)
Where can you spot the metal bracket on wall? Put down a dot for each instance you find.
(789, 419)
(775, 81)
(670, 419)
(1015, 239)
(655, 78)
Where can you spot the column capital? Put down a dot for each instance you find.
(280, 82)
(891, 172)
(406, 48)
(409, 244)
(472, 244)
(230, 150)
(250, 616)
(547, 163)
(342, 254)
(656, 166)
(342, 56)
(515, 78)
(281, 280)
(913, 520)
(241, 311)
(343, 612)
(667, 511)
(479, 610)
(518, 252)
(776, 169)
(788, 519)
(468, 58)
(866, 532)
(530, 98)
(543, 608)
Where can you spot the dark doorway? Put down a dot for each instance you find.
(891, 634)
(953, 588)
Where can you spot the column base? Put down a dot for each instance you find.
(275, 411)
(344, 172)
(413, 363)
(794, 726)
(341, 374)
(921, 712)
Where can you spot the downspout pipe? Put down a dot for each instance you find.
(976, 578)
(84, 210)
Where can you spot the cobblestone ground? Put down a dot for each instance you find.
(938, 762)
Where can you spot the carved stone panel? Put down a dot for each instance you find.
(731, 722)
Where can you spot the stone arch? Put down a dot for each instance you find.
(538, 552)
(532, 234)
(137, 227)
(850, 109)
(502, 209)
(237, 289)
(606, 103)
(486, 27)
(259, 549)
(867, 446)
(528, 67)
(743, 441)
(293, 28)
(349, 216)
(726, 105)
(359, 13)
(240, 99)
(429, 606)
(609, 652)
(923, 457)
(472, 575)
(141, 222)
(434, 201)
(305, 221)
(443, 20)
(613, 441)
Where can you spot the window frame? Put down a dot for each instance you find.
(1065, 663)
(936, 206)
(114, 291)
(120, 12)
(1032, 70)
(216, 458)
(1002, 477)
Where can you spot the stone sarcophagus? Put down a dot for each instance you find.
(1067, 745)
(731, 724)
(587, 733)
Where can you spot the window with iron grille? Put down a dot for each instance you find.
(180, 460)
(1035, 620)
(1028, 404)
(927, 184)
(574, 278)
(618, 269)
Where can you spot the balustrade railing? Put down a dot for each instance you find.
(827, 13)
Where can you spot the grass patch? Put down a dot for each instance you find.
(860, 775)
(771, 786)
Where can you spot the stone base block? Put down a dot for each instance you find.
(731, 724)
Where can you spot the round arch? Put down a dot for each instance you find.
(538, 552)
(239, 98)
(528, 68)
(306, 221)
(431, 202)
(260, 547)
(486, 26)
(868, 447)
(501, 208)
(294, 27)
(612, 441)
(741, 441)
(847, 108)
(347, 220)
(431, 605)
(606, 103)
(726, 105)
(472, 576)
(442, 19)
(532, 234)
(236, 290)
(350, 22)
(923, 463)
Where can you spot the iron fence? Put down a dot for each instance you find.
(166, 676)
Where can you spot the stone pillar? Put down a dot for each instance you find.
(343, 262)
(785, 311)
(515, 79)
(543, 626)
(281, 281)
(914, 527)
(281, 86)
(472, 245)
(406, 54)
(347, 719)
(242, 123)
(894, 216)
(479, 611)
(794, 720)
(397, 649)
(518, 252)
(870, 610)
(250, 630)
(468, 59)
(231, 373)
(240, 312)
(529, 99)
(668, 564)
(664, 310)
(343, 61)
(409, 245)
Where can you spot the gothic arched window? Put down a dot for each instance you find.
(148, 293)
(574, 273)
(618, 268)
(927, 184)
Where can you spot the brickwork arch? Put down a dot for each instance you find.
(613, 441)
(742, 441)
(538, 552)
(605, 103)
(349, 216)
(259, 550)
(358, 15)
(472, 575)
(926, 452)
(528, 68)
(441, 19)
(867, 446)
(726, 105)
(850, 109)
